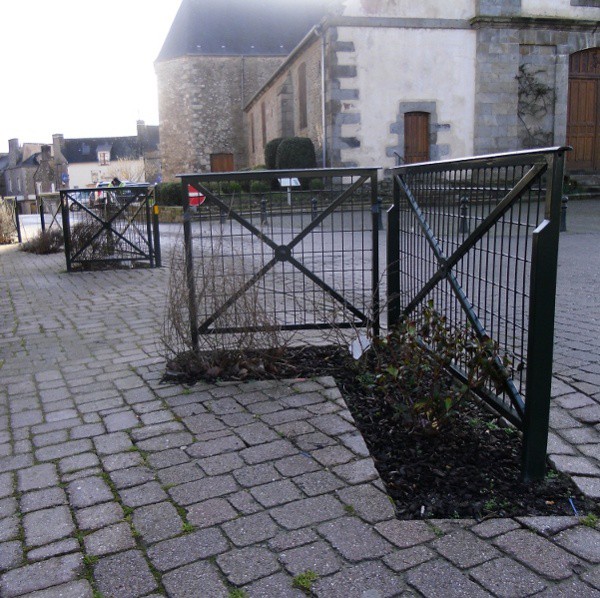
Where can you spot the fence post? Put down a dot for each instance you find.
(393, 257)
(544, 262)
(156, 231)
(189, 264)
(64, 209)
(376, 218)
(149, 211)
(18, 221)
(42, 218)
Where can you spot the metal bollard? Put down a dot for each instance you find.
(263, 211)
(563, 214)
(463, 223)
(313, 209)
(376, 210)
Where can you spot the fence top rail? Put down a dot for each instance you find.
(94, 189)
(281, 174)
(484, 161)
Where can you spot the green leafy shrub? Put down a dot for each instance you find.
(411, 367)
(304, 581)
(296, 152)
(259, 187)
(168, 194)
(271, 153)
(316, 184)
(231, 187)
(45, 242)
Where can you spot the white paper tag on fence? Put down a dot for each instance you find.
(360, 345)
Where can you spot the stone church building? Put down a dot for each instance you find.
(375, 82)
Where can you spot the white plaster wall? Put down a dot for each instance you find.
(410, 65)
(558, 8)
(419, 9)
(80, 174)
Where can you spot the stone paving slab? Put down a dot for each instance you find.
(115, 484)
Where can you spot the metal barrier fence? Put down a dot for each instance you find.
(479, 238)
(110, 227)
(49, 210)
(303, 243)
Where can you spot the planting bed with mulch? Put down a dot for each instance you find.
(470, 468)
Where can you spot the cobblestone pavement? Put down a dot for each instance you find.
(114, 485)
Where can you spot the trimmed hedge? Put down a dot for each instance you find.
(296, 152)
(271, 153)
(168, 194)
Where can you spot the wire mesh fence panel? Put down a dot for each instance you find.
(109, 227)
(50, 211)
(288, 250)
(477, 240)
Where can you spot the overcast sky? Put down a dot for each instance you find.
(79, 67)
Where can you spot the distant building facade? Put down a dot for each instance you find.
(33, 168)
(91, 160)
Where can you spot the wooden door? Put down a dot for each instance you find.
(221, 163)
(416, 137)
(583, 119)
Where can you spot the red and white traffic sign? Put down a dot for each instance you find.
(196, 198)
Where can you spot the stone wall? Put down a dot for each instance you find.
(505, 54)
(201, 108)
(280, 105)
(377, 74)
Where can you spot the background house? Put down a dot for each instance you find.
(371, 80)
(27, 170)
(91, 160)
(33, 168)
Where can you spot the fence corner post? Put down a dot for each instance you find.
(393, 257)
(156, 232)
(189, 264)
(540, 344)
(64, 210)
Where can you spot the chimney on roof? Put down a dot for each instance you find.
(142, 135)
(13, 152)
(60, 162)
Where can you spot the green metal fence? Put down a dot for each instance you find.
(302, 243)
(479, 238)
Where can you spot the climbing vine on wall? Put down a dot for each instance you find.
(536, 102)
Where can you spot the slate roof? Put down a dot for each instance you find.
(85, 150)
(241, 27)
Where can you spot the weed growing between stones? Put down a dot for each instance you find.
(304, 581)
